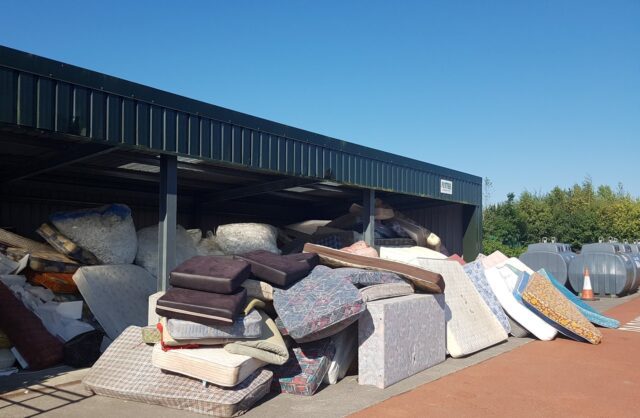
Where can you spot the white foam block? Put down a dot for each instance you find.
(471, 326)
(153, 317)
(400, 337)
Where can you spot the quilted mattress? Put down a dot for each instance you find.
(318, 306)
(128, 356)
(118, 295)
(210, 364)
(421, 278)
(475, 272)
(497, 280)
(243, 327)
(542, 297)
(471, 326)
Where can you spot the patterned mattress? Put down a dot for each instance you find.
(306, 368)
(585, 309)
(318, 306)
(542, 297)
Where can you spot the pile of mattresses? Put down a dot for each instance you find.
(233, 328)
(252, 309)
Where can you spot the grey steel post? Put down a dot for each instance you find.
(368, 215)
(168, 215)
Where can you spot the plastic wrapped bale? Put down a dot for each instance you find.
(108, 232)
(147, 255)
(246, 237)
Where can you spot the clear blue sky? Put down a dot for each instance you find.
(531, 94)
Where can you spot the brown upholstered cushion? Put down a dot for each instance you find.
(211, 274)
(201, 307)
(281, 270)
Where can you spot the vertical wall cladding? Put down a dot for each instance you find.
(446, 221)
(45, 102)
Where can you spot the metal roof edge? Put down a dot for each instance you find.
(35, 64)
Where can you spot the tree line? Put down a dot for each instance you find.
(578, 215)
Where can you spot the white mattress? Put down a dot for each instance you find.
(471, 326)
(409, 254)
(117, 295)
(498, 278)
(214, 365)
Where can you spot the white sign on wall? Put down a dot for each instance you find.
(446, 186)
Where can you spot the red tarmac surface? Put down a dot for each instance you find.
(559, 378)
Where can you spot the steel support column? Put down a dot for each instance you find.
(167, 220)
(368, 215)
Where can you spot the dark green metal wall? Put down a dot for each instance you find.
(47, 95)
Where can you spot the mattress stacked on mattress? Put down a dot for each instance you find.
(420, 278)
(318, 306)
(129, 357)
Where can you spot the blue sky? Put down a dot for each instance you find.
(531, 94)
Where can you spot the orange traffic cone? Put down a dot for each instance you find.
(587, 291)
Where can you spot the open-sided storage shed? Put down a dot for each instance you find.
(73, 138)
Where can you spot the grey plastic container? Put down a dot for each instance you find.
(553, 257)
(635, 256)
(611, 270)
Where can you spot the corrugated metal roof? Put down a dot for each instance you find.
(48, 95)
